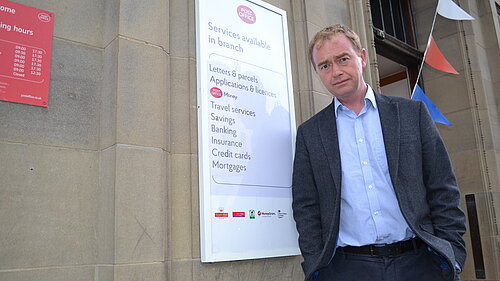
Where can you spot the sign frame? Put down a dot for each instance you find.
(205, 178)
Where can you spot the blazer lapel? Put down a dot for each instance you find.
(329, 139)
(390, 122)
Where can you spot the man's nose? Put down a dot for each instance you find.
(336, 70)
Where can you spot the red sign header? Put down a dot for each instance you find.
(25, 53)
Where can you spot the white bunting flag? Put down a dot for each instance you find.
(450, 10)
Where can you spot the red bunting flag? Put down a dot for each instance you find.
(435, 58)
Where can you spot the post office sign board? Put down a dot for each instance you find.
(246, 129)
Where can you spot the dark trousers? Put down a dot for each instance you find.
(414, 265)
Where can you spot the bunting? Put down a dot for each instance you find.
(434, 58)
(436, 115)
(452, 11)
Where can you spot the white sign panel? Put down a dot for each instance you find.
(246, 131)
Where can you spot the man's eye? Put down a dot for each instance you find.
(343, 60)
(323, 66)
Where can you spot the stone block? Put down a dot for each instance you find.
(72, 118)
(317, 85)
(445, 29)
(195, 195)
(481, 63)
(111, 21)
(490, 257)
(462, 135)
(180, 210)
(495, 79)
(423, 6)
(467, 167)
(78, 21)
(182, 105)
(193, 109)
(302, 68)
(80, 273)
(492, 161)
(489, 128)
(481, 96)
(182, 29)
(167, 219)
(495, 198)
(496, 154)
(109, 96)
(276, 269)
(277, 3)
(145, 272)
(448, 92)
(142, 91)
(181, 270)
(304, 107)
(140, 204)
(482, 31)
(321, 101)
(473, 8)
(106, 206)
(48, 203)
(294, 57)
(323, 13)
(298, 12)
(423, 16)
(136, 21)
(104, 273)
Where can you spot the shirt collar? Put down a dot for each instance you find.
(370, 96)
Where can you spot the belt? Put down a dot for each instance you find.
(383, 249)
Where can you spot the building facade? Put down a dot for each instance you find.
(103, 184)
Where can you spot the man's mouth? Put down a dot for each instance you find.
(338, 83)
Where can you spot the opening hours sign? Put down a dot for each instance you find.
(25, 53)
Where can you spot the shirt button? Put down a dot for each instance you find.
(360, 140)
(375, 213)
(370, 186)
(365, 163)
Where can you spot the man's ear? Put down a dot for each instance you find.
(362, 54)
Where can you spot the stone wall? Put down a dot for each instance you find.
(103, 184)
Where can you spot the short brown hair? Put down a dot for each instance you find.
(327, 32)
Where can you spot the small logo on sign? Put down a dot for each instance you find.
(221, 213)
(216, 92)
(281, 214)
(44, 17)
(238, 214)
(246, 14)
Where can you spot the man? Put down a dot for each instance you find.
(374, 193)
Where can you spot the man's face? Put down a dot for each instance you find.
(340, 67)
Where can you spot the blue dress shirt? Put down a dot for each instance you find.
(369, 210)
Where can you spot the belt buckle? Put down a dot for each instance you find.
(382, 250)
